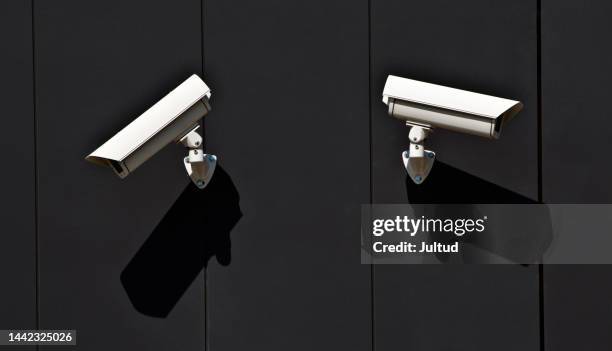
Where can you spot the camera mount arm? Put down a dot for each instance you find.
(200, 166)
(417, 160)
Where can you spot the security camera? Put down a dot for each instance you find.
(174, 118)
(424, 106)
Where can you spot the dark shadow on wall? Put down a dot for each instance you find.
(450, 185)
(196, 228)
(520, 234)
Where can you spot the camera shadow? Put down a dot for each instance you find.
(196, 228)
(519, 234)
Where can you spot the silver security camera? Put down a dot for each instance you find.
(424, 106)
(174, 118)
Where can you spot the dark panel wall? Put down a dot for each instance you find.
(576, 73)
(478, 45)
(17, 241)
(100, 64)
(578, 312)
(575, 92)
(290, 84)
(484, 46)
(291, 124)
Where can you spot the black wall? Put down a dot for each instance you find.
(98, 65)
(576, 71)
(479, 46)
(291, 127)
(304, 140)
(18, 296)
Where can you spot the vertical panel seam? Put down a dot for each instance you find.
(541, 310)
(205, 271)
(35, 132)
(370, 92)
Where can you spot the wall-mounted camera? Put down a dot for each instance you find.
(174, 118)
(424, 106)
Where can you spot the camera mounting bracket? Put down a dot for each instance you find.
(418, 161)
(200, 166)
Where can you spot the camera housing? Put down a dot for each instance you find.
(425, 106)
(174, 118)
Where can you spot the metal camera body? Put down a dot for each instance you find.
(425, 106)
(174, 118)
